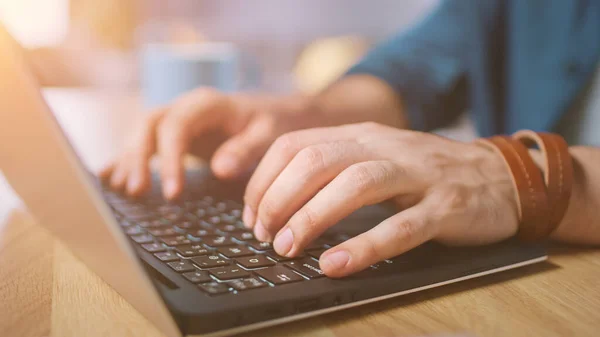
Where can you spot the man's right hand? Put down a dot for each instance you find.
(233, 131)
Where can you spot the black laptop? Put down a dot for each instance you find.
(190, 266)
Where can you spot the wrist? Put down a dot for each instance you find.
(360, 98)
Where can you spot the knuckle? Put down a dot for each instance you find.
(405, 232)
(360, 175)
(312, 158)
(373, 251)
(371, 126)
(285, 143)
(308, 219)
(269, 210)
(453, 199)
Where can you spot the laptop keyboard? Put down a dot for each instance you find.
(205, 241)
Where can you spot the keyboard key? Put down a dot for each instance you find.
(243, 236)
(134, 230)
(200, 233)
(221, 206)
(235, 251)
(139, 215)
(125, 223)
(155, 223)
(255, 261)
(154, 247)
(143, 238)
(247, 283)
(173, 217)
(212, 211)
(187, 225)
(214, 220)
(207, 225)
(228, 219)
(167, 256)
(218, 241)
(210, 261)
(317, 244)
(236, 213)
(166, 209)
(192, 250)
(307, 267)
(260, 246)
(317, 253)
(230, 228)
(336, 239)
(197, 276)
(176, 240)
(272, 254)
(181, 266)
(214, 288)
(163, 232)
(229, 273)
(200, 213)
(279, 275)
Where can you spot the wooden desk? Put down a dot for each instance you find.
(45, 291)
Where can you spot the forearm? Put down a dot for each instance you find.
(361, 98)
(581, 223)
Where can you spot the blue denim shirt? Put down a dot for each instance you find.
(514, 64)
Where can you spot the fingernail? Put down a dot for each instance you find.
(283, 242)
(337, 260)
(133, 183)
(261, 233)
(116, 181)
(170, 189)
(248, 216)
(227, 164)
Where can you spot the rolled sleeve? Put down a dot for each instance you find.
(427, 65)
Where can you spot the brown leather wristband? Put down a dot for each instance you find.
(530, 191)
(558, 171)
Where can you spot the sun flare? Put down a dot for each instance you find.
(36, 22)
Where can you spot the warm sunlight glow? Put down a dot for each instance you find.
(36, 22)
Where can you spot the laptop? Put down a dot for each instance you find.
(190, 266)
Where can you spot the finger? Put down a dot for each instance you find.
(106, 172)
(119, 175)
(191, 117)
(394, 236)
(310, 170)
(361, 184)
(138, 181)
(280, 154)
(242, 151)
(145, 146)
(173, 139)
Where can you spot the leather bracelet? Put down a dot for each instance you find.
(530, 191)
(558, 173)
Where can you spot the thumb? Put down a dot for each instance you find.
(242, 151)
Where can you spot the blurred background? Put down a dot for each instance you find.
(296, 44)
(96, 58)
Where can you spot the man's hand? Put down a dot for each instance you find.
(456, 193)
(235, 130)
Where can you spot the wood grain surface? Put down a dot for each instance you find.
(44, 290)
